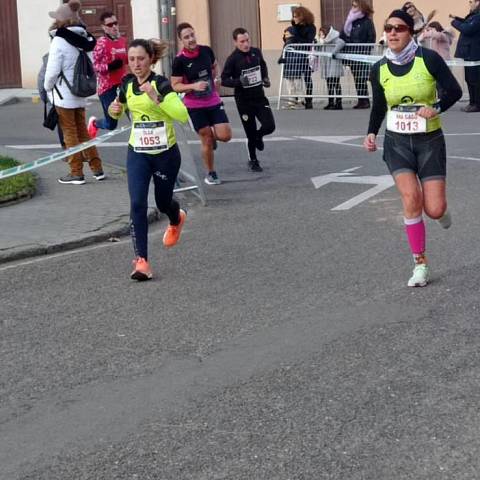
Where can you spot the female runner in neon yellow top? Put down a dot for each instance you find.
(152, 148)
(405, 84)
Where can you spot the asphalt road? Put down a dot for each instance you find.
(277, 341)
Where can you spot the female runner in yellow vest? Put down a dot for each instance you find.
(152, 148)
(405, 84)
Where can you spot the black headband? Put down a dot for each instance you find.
(403, 16)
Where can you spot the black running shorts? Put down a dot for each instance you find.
(208, 116)
(423, 154)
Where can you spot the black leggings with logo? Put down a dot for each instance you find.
(250, 111)
(141, 168)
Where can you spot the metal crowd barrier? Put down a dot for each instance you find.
(308, 71)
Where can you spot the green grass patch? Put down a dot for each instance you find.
(18, 186)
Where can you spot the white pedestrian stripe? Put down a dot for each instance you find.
(56, 146)
(335, 139)
(331, 138)
(381, 182)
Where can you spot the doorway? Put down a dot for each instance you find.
(10, 73)
(92, 9)
(225, 16)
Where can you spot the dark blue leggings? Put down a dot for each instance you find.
(106, 98)
(141, 167)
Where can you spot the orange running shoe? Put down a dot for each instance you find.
(172, 233)
(141, 270)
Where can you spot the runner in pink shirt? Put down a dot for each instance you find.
(195, 73)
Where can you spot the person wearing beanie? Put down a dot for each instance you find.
(69, 36)
(67, 12)
(404, 86)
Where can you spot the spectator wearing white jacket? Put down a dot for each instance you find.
(437, 38)
(70, 36)
(331, 69)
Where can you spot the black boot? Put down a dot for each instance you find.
(338, 104)
(362, 103)
(330, 105)
(308, 104)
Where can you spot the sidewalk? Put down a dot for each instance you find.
(61, 217)
(10, 95)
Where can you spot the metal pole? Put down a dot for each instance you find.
(163, 9)
(172, 30)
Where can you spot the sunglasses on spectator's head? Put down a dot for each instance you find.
(398, 28)
(111, 24)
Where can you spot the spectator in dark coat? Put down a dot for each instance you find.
(468, 48)
(291, 70)
(359, 28)
(304, 31)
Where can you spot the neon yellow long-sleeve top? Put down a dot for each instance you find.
(143, 109)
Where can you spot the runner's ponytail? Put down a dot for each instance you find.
(155, 47)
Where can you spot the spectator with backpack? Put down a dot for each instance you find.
(44, 97)
(69, 78)
(110, 62)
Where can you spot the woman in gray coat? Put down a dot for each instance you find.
(331, 69)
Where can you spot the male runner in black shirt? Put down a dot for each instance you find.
(246, 71)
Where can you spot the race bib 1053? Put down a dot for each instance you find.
(150, 137)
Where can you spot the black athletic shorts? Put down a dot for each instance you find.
(208, 116)
(423, 154)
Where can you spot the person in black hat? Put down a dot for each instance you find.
(404, 86)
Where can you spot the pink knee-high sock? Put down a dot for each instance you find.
(415, 229)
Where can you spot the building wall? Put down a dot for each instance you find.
(145, 15)
(272, 29)
(33, 25)
(197, 13)
(444, 7)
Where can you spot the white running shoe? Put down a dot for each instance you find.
(212, 178)
(445, 221)
(420, 276)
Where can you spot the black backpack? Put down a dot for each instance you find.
(84, 77)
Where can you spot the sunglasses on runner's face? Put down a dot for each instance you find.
(398, 28)
(111, 24)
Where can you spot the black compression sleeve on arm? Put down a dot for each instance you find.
(164, 86)
(450, 90)
(379, 102)
(228, 72)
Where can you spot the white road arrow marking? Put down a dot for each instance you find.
(331, 138)
(381, 182)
